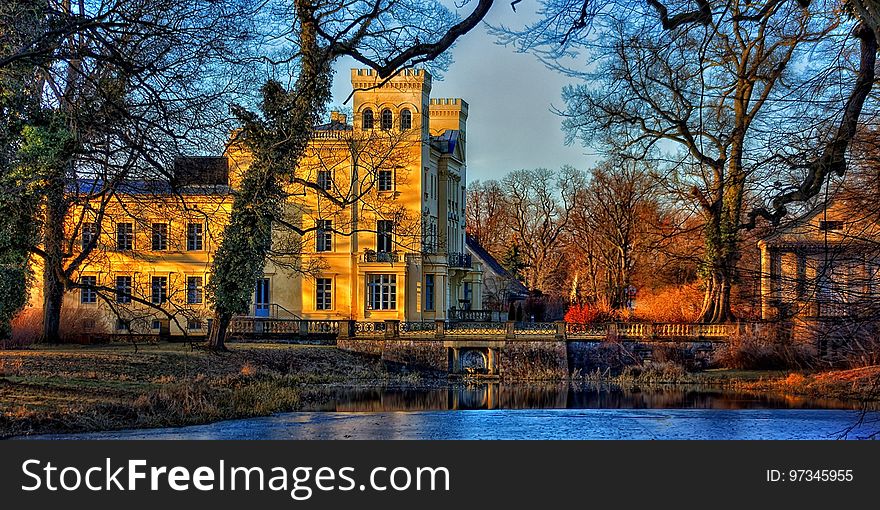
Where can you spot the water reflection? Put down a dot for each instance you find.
(561, 396)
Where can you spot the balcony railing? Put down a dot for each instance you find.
(380, 256)
(470, 315)
(460, 260)
(269, 311)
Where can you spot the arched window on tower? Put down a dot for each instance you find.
(405, 120)
(368, 119)
(387, 120)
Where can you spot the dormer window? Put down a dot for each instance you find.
(387, 119)
(368, 119)
(827, 226)
(405, 120)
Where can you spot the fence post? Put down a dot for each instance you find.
(439, 329)
(612, 330)
(560, 330)
(510, 333)
(346, 329)
(392, 328)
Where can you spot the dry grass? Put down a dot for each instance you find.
(764, 351)
(858, 383)
(76, 388)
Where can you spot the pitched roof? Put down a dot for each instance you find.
(489, 261)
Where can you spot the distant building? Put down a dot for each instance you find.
(398, 252)
(823, 266)
(499, 288)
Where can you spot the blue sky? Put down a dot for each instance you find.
(510, 122)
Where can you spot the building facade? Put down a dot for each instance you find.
(823, 266)
(372, 229)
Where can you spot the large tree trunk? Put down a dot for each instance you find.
(53, 297)
(217, 335)
(53, 281)
(716, 301)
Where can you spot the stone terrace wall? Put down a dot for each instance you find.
(424, 353)
(373, 346)
(536, 360)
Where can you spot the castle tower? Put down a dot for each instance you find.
(406, 94)
(449, 113)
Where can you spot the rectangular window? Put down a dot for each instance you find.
(325, 179)
(194, 294)
(384, 236)
(382, 292)
(123, 325)
(88, 294)
(429, 292)
(123, 289)
(324, 294)
(124, 236)
(195, 237)
(159, 290)
(324, 236)
(160, 236)
(89, 232)
(193, 324)
(386, 180)
(467, 288)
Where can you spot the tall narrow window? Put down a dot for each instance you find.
(195, 237)
(386, 180)
(387, 119)
(124, 236)
(368, 119)
(324, 236)
(324, 294)
(262, 298)
(384, 236)
(89, 232)
(468, 292)
(325, 179)
(382, 292)
(123, 289)
(194, 294)
(88, 293)
(429, 292)
(160, 236)
(405, 120)
(159, 290)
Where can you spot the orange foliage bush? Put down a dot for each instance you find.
(27, 328)
(671, 304)
(588, 314)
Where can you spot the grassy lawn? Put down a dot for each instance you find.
(76, 388)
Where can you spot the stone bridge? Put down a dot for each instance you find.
(523, 350)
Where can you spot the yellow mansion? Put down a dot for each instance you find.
(372, 230)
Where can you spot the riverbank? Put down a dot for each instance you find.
(859, 384)
(109, 387)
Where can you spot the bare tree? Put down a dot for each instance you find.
(487, 216)
(704, 93)
(539, 204)
(127, 86)
(611, 221)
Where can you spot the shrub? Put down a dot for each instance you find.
(27, 329)
(589, 314)
(671, 304)
(764, 350)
